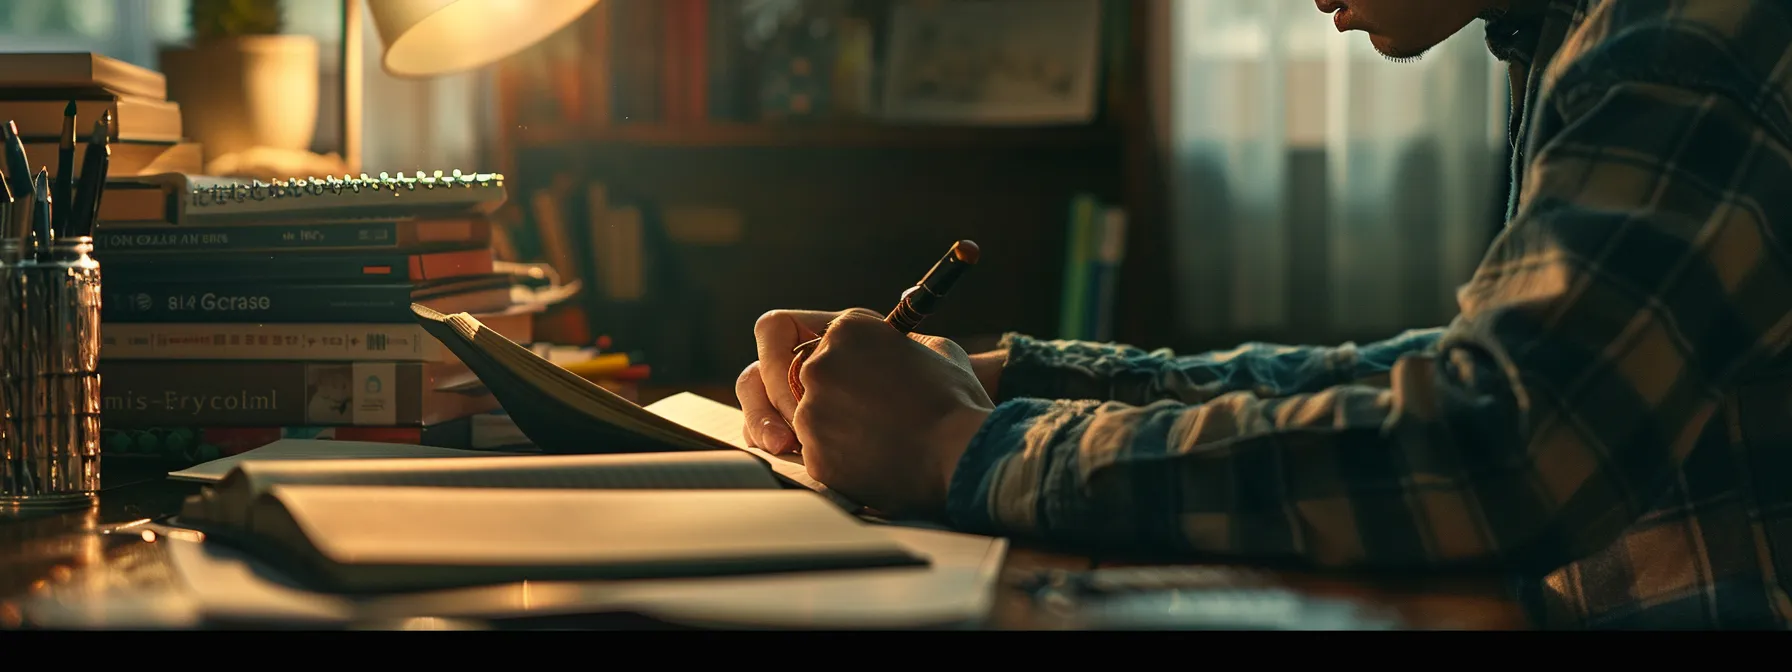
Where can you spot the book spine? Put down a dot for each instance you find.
(294, 342)
(259, 394)
(1104, 272)
(599, 67)
(235, 302)
(191, 444)
(349, 267)
(284, 237)
(1078, 244)
(674, 52)
(723, 68)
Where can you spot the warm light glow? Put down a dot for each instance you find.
(425, 38)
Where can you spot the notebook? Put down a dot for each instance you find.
(247, 479)
(361, 539)
(563, 413)
(317, 449)
(228, 588)
(204, 200)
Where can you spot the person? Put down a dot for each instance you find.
(1608, 419)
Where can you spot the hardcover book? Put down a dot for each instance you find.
(235, 300)
(143, 394)
(563, 413)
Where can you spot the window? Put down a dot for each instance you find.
(102, 26)
(408, 125)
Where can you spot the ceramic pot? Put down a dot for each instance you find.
(243, 92)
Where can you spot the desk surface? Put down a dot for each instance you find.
(63, 553)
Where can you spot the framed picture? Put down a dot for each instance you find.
(993, 62)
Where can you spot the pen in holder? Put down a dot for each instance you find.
(49, 379)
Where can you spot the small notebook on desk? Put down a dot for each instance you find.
(244, 481)
(564, 413)
(310, 450)
(206, 200)
(383, 539)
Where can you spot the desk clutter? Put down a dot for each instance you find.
(286, 305)
(50, 290)
(236, 312)
(336, 534)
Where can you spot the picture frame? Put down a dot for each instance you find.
(993, 62)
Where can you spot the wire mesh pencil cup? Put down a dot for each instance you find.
(49, 378)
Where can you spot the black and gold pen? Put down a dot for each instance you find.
(84, 212)
(42, 233)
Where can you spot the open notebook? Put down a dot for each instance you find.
(564, 413)
(356, 539)
(235, 492)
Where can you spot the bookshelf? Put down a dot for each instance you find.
(831, 213)
(842, 135)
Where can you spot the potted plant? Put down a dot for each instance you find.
(240, 83)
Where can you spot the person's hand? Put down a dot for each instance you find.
(885, 417)
(763, 389)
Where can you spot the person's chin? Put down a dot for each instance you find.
(1395, 50)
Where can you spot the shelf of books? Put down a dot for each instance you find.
(835, 135)
(993, 74)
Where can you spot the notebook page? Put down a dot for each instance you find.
(652, 471)
(724, 423)
(315, 449)
(622, 534)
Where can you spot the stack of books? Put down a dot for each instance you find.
(237, 313)
(145, 135)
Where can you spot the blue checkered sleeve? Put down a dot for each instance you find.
(1108, 372)
(1639, 277)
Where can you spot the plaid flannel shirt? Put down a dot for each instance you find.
(1609, 417)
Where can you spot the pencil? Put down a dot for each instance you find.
(63, 198)
(916, 304)
(6, 206)
(18, 172)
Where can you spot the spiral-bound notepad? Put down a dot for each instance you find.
(219, 200)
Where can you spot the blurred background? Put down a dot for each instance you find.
(1180, 173)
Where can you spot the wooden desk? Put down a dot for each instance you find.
(62, 553)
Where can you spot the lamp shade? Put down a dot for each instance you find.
(423, 38)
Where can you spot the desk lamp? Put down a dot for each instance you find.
(428, 38)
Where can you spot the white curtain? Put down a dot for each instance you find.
(1317, 188)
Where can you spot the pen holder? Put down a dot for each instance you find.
(49, 378)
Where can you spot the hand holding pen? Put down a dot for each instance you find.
(767, 396)
(885, 415)
(916, 304)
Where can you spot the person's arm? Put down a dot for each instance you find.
(1026, 367)
(1643, 274)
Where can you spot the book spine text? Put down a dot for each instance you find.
(294, 342)
(223, 301)
(152, 394)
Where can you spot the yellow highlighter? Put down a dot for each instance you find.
(607, 364)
